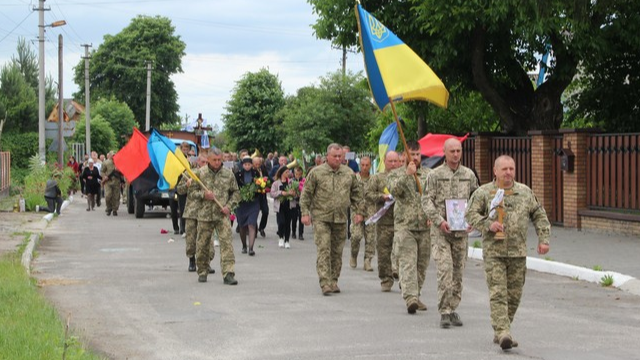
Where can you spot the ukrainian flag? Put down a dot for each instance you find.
(388, 142)
(168, 161)
(395, 72)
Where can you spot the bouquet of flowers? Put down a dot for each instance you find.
(293, 187)
(248, 192)
(301, 184)
(263, 185)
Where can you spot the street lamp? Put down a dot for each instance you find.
(41, 98)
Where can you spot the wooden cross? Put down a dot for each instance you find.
(500, 209)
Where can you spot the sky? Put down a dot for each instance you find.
(224, 40)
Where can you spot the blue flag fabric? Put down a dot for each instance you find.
(388, 142)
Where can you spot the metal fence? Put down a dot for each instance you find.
(519, 148)
(613, 181)
(5, 171)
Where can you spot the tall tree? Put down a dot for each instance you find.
(338, 110)
(103, 138)
(118, 115)
(490, 46)
(118, 68)
(251, 119)
(18, 99)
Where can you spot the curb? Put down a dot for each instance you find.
(621, 281)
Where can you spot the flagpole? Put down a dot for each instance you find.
(404, 142)
(204, 187)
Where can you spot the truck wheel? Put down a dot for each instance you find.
(139, 209)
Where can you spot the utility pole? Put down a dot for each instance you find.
(41, 99)
(147, 121)
(60, 106)
(87, 99)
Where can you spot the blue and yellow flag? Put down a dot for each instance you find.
(168, 161)
(395, 72)
(388, 142)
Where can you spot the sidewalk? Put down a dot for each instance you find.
(587, 250)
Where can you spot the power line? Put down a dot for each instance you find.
(17, 26)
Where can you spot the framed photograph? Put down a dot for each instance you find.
(350, 155)
(228, 164)
(456, 209)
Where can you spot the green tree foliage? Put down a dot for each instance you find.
(338, 110)
(606, 93)
(119, 117)
(103, 138)
(490, 46)
(21, 145)
(118, 68)
(19, 100)
(251, 119)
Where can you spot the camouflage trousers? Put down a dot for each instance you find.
(505, 280)
(205, 252)
(358, 232)
(450, 254)
(384, 241)
(112, 195)
(413, 251)
(191, 234)
(329, 238)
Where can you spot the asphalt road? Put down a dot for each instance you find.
(129, 296)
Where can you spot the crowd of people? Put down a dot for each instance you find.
(405, 215)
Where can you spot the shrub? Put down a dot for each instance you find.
(35, 182)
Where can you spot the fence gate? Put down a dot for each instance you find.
(556, 215)
(78, 151)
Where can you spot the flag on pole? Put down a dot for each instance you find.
(395, 72)
(388, 142)
(433, 144)
(168, 161)
(134, 163)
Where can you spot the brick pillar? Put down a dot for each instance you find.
(482, 154)
(575, 183)
(541, 166)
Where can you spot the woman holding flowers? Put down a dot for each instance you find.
(284, 204)
(249, 207)
(296, 220)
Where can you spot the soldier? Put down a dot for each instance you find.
(327, 194)
(358, 231)
(190, 215)
(379, 194)
(505, 260)
(111, 181)
(449, 181)
(411, 241)
(222, 196)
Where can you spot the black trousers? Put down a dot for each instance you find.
(284, 222)
(182, 202)
(296, 221)
(173, 206)
(264, 211)
(53, 204)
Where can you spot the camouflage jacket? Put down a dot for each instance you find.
(376, 193)
(443, 183)
(225, 188)
(328, 193)
(408, 214)
(368, 205)
(109, 169)
(193, 204)
(519, 206)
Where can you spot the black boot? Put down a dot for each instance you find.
(192, 264)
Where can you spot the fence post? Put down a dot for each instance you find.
(484, 167)
(575, 183)
(542, 154)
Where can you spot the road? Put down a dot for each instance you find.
(127, 291)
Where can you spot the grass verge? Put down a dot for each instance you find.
(30, 327)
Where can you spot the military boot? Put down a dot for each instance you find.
(421, 306)
(229, 279)
(505, 342)
(353, 262)
(445, 321)
(192, 264)
(367, 265)
(412, 305)
(455, 319)
(202, 278)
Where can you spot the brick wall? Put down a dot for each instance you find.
(541, 164)
(603, 225)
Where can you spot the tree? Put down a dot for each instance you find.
(251, 119)
(338, 110)
(118, 68)
(118, 115)
(490, 46)
(18, 99)
(103, 139)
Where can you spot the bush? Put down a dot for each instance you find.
(21, 146)
(36, 181)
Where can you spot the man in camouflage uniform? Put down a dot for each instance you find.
(412, 242)
(379, 194)
(505, 261)
(213, 215)
(187, 188)
(359, 231)
(449, 181)
(111, 182)
(328, 192)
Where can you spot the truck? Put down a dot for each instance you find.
(137, 203)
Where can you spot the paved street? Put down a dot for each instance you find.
(129, 296)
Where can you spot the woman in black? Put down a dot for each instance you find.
(284, 205)
(247, 211)
(91, 177)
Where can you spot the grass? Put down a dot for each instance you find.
(597, 268)
(606, 280)
(477, 244)
(30, 327)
